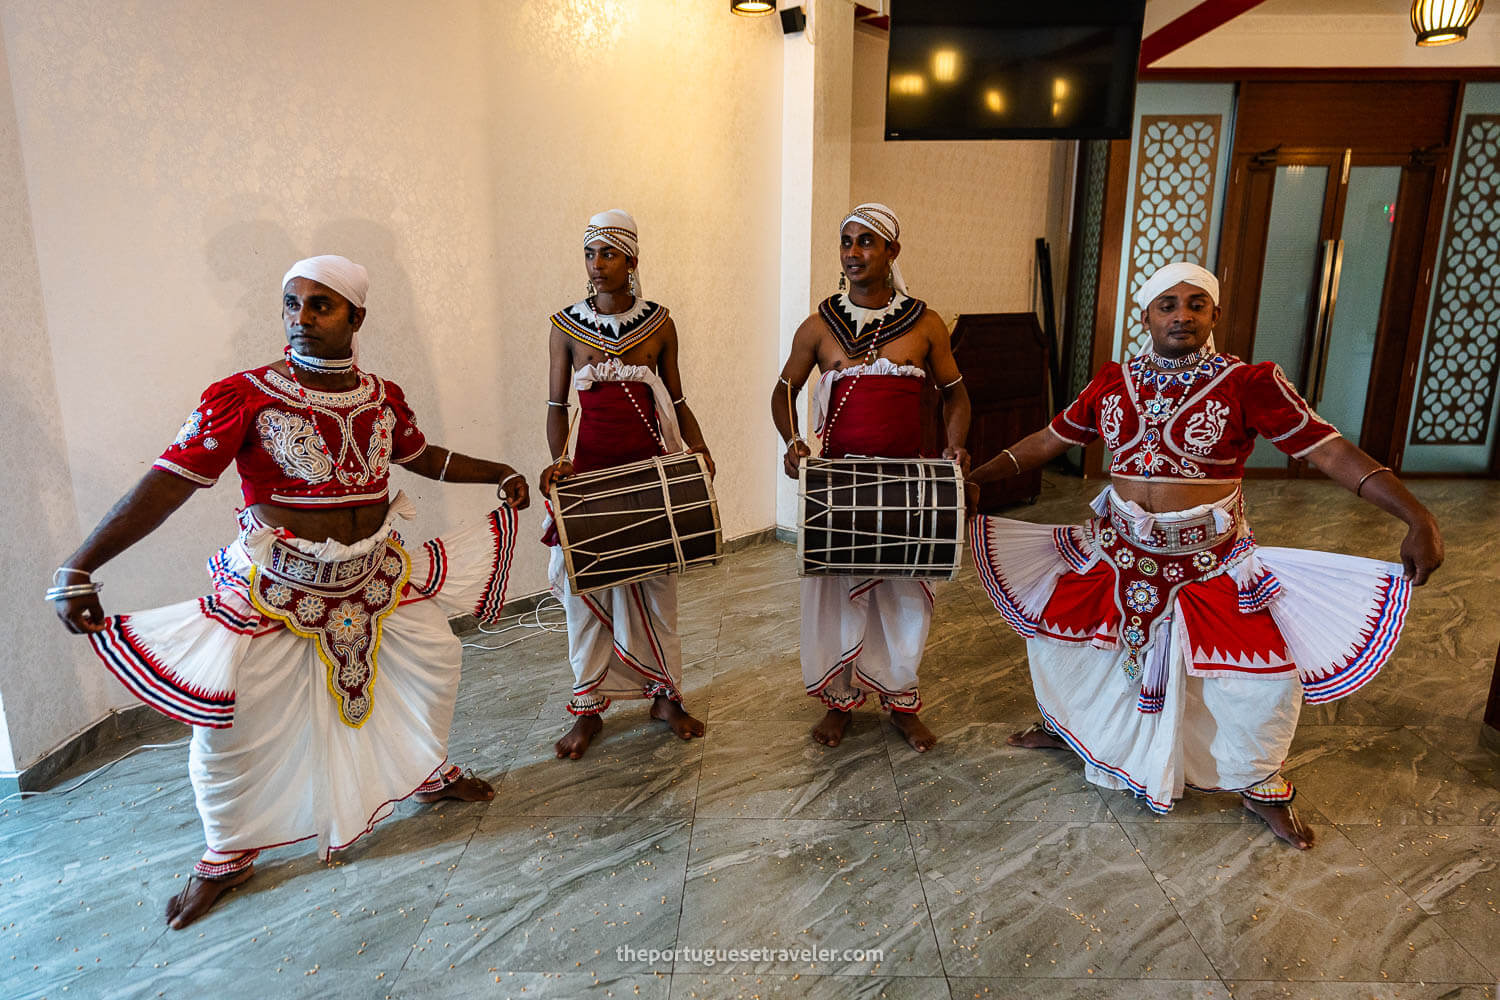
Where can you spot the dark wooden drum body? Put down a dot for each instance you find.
(880, 517)
(636, 521)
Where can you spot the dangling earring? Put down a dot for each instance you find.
(843, 282)
(634, 288)
(890, 280)
(591, 290)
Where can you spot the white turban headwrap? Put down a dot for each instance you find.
(616, 228)
(881, 220)
(1170, 275)
(339, 273)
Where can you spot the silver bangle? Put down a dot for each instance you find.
(553, 402)
(87, 575)
(500, 490)
(444, 473)
(680, 400)
(71, 591)
(1013, 460)
(954, 382)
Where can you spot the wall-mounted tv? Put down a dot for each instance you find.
(1012, 69)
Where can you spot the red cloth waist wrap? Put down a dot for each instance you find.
(613, 429)
(877, 415)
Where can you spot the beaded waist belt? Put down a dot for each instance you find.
(1179, 535)
(339, 604)
(1148, 573)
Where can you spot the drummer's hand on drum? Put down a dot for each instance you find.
(514, 491)
(971, 498)
(708, 460)
(560, 469)
(959, 455)
(796, 451)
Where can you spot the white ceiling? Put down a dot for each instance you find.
(1313, 8)
(1323, 33)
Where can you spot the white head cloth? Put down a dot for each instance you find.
(1169, 275)
(881, 220)
(339, 273)
(617, 228)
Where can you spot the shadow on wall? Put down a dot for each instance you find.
(250, 255)
(38, 658)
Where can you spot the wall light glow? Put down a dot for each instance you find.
(994, 99)
(1061, 88)
(945, 65)
(909, 84)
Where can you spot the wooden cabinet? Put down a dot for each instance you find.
(1005, 361)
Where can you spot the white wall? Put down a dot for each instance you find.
(815, 155)
(162, 171)
(50, 685)
(970, 211)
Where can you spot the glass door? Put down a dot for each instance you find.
(1323, 283)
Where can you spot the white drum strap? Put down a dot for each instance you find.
(666, 501)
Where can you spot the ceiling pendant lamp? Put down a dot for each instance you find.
(1442, 22)
(752, 8)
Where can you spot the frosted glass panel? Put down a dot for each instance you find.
(1369, 217)
(1289, 280)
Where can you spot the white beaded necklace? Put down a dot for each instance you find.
(323, 366)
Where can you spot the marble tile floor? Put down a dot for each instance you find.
(979, 870)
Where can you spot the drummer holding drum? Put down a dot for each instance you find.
(864, 624)
(619, 351)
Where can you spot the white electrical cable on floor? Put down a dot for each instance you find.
(531, 621)
(97, 771)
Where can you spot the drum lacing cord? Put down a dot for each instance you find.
(666, 499)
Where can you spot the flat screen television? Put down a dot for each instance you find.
(1012, 69)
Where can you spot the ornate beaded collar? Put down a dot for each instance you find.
(612, 333)
(859, 330)
(1205, 368)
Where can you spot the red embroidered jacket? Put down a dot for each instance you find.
(257, 420)
(1210, 431)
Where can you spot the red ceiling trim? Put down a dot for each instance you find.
(1191, 26)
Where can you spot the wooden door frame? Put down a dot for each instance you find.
(1392, 367)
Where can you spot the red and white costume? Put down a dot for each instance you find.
(622, 642)
(320, 677)
(1169, 650)
(862, 635)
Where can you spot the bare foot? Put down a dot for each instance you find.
(1036, 737)
(573, 745)
(915, 730)
(465, 789)
(1284, 822)
(676, 718)
(199, 895)
(830, 729)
